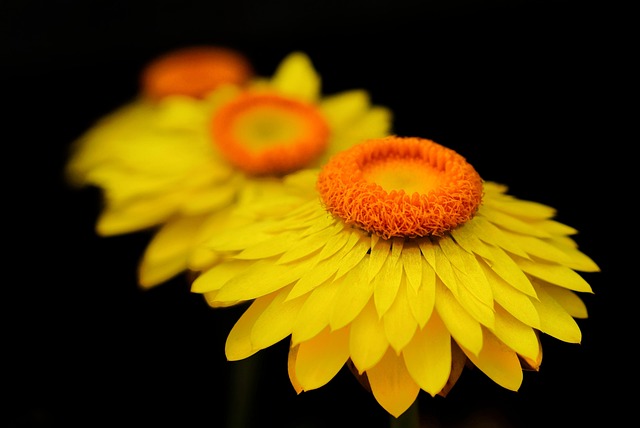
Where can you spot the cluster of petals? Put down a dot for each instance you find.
(160, 168)
(408, 313)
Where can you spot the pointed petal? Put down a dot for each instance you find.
(367, 342)
(392, 385)
(318, 360)
(428, 356)
(498, 362)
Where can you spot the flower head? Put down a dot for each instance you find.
(397, 259)
(181, 162)
(194, 71)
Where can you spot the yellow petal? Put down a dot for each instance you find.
(399, 324)
(276, 321)
(319, 359)
(464, 329)
(513, 300)
(167, 252)
(340, 110)
(238, 344)
(510, 223)
(392, 385)
(428, 356)
(555, 274)
(554, 319)
(367, 342)
(314, 314)
(504, 266)
(260, 278)
(213, 279)
(569, 300)
(412, 261)
(491, 234)
(386, 284)
(498, 362)
(423, 301)
(516, 335)
(296, 77)
(355, 292)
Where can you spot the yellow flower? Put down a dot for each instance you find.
(405, 265)
(181, 162)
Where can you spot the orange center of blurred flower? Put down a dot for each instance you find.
(401, 186)
(265, 133)
(194, 72)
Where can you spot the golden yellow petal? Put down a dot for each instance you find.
(468, 271)
(367, 342)
(470, 242)
(355, 255)
(486, 231)
(423, 301)
(399, 324)
(238, 344)
(464, 329)
(340, 110)
(269, 248)
(521, 208)
(513, 300)
(576, 259)
(569, 300)
(386, 284)
(167, 252)
(392, 385)
(296, 77)
(319, 359)
(412, 262)
(554, 273)
(314, 314)
(380, 249)
(516, 335)
(540, 248)
(276, 321)
(307, 245)
(132, 217)
(355, 292)
(291, 368)
(213, 279)
(480, 311)
(428, 356)
(260, 278)
(312, 278)
(506, 268)
(554, 319)
(498, 362)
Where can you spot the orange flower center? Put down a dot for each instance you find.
(194, 72)
(265, 133)
(401, 186)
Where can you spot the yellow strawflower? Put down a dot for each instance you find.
(178, 162)
(397, 259)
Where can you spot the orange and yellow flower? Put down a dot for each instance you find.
(177, 162)
(398, 259)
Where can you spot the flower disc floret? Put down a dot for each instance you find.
(268, 133)
(401, 187)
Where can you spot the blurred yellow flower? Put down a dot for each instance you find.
(194, 71)
(397, 259)
(180, 162)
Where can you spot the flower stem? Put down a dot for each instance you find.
(243, 379)
(409, 419)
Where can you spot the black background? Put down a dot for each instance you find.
(532, 93)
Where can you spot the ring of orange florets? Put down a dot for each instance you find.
(346, 194)
(278, 159)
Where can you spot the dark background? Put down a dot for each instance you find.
(533, 93)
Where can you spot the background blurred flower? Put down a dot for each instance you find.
(180, 162)
(405, 265)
